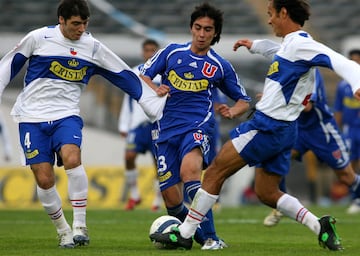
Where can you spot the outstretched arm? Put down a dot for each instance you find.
(239, 108)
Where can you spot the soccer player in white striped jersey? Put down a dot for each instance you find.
(61, 60)
(266, 140)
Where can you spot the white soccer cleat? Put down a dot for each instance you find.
(273, 218)
(80, 236)
(354, 207)
(66, 239)
(211, 244)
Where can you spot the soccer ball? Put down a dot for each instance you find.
(163, 224)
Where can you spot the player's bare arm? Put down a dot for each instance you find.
(242, 42)
(357, 94)
(161, 90)
(239, 108)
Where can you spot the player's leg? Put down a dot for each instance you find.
(170, 183)
(40, 157)
(131, 181)
(67, 137)
(158, 200)
(137, 142)
(331, 149)
(191, 171)
(274, 217)
(355, 163)
(267, 180)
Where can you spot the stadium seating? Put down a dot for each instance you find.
(330, 24)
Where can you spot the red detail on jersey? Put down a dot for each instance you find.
(198, 136)
(306, 100)
(208, 70)
(72, 51)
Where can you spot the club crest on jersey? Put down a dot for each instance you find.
(208, 70)
(73, 63)
(198, 137)
(72, 51)
(336, 154)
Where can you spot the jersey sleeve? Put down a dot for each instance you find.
(231, 84)
(265, 47)
(320, 55)
(14, 60)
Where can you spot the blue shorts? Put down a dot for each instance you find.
(170, 154)
(265, 142)
(139, 139)
(327, 144)
(354, 142)
(41, 142)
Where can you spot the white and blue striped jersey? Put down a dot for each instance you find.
(287, 88)
(58, 70)
(192, 80)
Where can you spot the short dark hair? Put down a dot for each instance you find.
(354, 52)
(206, 10)
(151, 42)
(298, 10)
(68, 8)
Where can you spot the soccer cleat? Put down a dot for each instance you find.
(328, 238)
(211, 244)
(173, 239)
(273, 218)
(66, 239)
(155, 208)
(354, 207)
(131, 204)
(80, 236)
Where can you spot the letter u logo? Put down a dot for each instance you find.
(208, 70)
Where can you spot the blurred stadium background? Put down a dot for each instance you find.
(122, 25)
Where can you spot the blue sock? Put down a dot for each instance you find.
(207, 225)
(355, 188)
(282, 185)
(180, 211)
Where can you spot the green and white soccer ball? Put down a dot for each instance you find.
(163, 224)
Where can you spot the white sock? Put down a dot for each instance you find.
(291, 207)
(51, 202)
(201, 204)
(158, 196)
(78, 193)
(131, 177)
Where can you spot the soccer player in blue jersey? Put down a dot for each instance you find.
(61, 60)
(318, 132)
(136, 127)
(266, 140)
(347, 116)
(186, 132)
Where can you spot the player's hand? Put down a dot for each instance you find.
(357, 94)
(225, 111)
(242, 42)
(162, 90)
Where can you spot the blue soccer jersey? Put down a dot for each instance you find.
(192, 79)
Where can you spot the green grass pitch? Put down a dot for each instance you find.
(116, 232)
